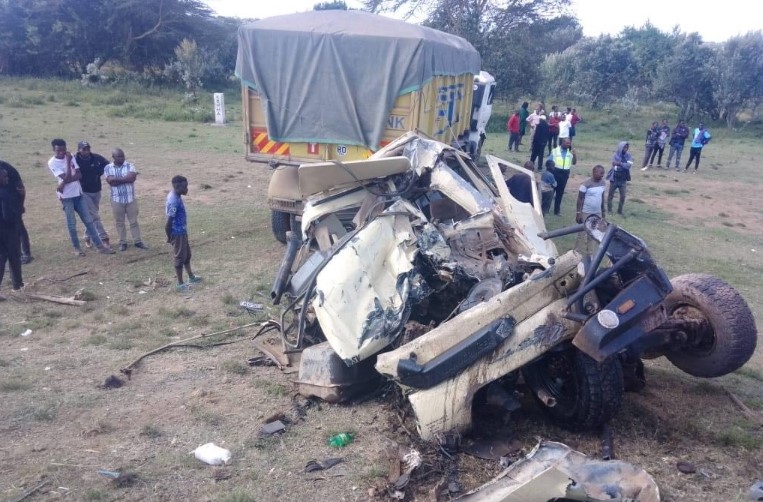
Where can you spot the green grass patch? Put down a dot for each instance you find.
(95, 340)
(235, 366)
(14, 384)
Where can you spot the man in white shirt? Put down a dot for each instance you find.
(590, 201)
(64, 167)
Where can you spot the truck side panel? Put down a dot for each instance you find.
(441, 109)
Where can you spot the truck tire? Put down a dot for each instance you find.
(731, 335)
(295, 226)
(587, 394)
(280, 222)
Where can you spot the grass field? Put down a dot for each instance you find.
(58, 426)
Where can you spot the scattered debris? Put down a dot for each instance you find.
(55, 299)
(273, 353)
(112, 382)
(30, 492)
(686, 467)
(749, 413)
(554, 470)
(341, 440)
(127, 370)
(252, 308)
(272, 428)
(755, 493)
(212, 454)
(109, 474)
(323, 465)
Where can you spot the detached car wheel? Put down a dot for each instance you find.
(578, 392)
(280, 223)
(725, 336)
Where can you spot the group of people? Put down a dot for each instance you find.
(79, 185)
(593, 197)
(659, 135)
(545, 131)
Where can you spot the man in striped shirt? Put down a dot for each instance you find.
(120, 176)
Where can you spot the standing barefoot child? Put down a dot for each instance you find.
(177, 233)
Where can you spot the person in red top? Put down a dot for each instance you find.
(553, 128)
(575, 118)
(513, 126)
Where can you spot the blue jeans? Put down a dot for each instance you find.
(677, 149)
(77, 205)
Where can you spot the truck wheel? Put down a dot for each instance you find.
(728, 334)
(579, 393)
(280, 222)
(295, 226)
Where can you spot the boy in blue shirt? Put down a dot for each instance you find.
(177, 233)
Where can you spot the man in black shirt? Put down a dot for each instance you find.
(10, 216)
(91, 166)
(16, 185)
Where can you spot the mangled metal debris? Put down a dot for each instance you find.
(419, 236)
(555, 471)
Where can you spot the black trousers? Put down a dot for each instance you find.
(561, 176)
(24, 239)
(694, 154)
(10, 252)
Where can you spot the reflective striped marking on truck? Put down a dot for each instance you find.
(261, 143)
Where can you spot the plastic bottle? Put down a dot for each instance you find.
(341, 440)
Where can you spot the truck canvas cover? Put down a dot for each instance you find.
(334, 76)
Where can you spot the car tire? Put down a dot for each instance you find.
(280, 223)
(732, 335)
(587, 394)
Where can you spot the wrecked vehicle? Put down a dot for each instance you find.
(423, 265)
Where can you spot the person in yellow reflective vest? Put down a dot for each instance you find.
(564, 158)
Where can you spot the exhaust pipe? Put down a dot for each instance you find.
(284, 270)
(546, 398)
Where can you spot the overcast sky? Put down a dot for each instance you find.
(715, 21)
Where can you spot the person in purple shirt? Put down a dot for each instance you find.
(677, 140)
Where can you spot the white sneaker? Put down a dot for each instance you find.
(645, 168)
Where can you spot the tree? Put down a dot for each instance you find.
(686, 77)
(594, 71)
(336, 5)
(739, 73)
(511, 36)
(650, 48)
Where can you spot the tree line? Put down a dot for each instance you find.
(533, 47)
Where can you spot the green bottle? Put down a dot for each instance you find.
(340, 440)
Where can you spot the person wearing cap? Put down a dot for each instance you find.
(91, 167)
(121, 175)
(64, 167)
(701, 138)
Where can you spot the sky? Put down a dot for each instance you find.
(715, 21)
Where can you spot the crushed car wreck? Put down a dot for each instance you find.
(423, 261)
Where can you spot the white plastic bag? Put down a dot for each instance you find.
(212, 454)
